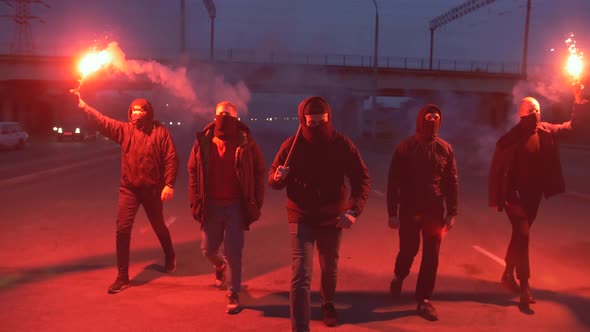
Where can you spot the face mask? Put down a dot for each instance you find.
(318, 133)
(226, 127)
(529, 122)
(139, 120)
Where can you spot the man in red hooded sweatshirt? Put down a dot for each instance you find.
(319, 205)
(422, 182)
(149, 165)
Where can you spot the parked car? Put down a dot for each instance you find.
(12, 135)
(75, 131)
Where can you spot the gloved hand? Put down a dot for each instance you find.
(167, 193)
(346, 219)
(393, 222)
(449, 223)
(81, 103)
(281, 173)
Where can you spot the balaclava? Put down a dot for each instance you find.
(141, 121)
(315, 107)
(226, 121)
(529, 112)
(427, 127)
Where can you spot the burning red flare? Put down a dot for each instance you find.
(575, 64)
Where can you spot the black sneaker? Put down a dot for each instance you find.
(170, 265)
(427, 311)
(233, 304)
(510, 283)
(118, 285)
(220, 276)
(329, 315)
(395, 287)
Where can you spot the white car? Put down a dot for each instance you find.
(12, 135)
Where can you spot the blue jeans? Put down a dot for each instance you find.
(303, 238)
(224, 225)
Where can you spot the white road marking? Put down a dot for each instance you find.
(577, 195)
(51, 171)
(490, 255)
(379, 193)
(168, 222)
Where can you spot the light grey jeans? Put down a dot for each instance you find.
(224, 226)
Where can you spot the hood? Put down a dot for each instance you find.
(313, 105)
(144, 103)
(420, 127)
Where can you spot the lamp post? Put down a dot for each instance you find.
(211, 10)
(373, 122)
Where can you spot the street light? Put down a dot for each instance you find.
(211, 10)
(375, 72)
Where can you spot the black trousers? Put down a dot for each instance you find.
(521, 209)
(430, 227)
(129, 201)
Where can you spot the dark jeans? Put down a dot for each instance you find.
(129, 201)
(224, 225)
(303, 238)
(522, 211)
(409, 242)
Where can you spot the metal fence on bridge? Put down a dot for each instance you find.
(292, 58)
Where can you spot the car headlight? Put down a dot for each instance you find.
(77, 131)
(54, 128)
(59, 130)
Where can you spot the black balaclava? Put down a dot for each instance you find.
(529, 123)
(141, 122)
(322, 132)
(226, 127)
(428, 130)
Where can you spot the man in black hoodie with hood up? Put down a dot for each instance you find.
(525, 167)
(318, 203)
(422, 182)
(149, 165)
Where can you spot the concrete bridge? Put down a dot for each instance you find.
(28, 82)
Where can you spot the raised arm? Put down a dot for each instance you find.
(110, 128)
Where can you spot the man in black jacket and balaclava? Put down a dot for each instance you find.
(149, 165)
(319, 205)
(525, 167)
(421, 199)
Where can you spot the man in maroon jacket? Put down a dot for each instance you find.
(318, 203)
(226, 191)
(149, 165)
(525, 167)
(422, 182)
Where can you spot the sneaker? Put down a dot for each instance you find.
(233, 304)
(220, 276)
(118, 285)
(510, 283)
(395, 287)
(329, 315)
(526, 296)
(427, 311)
(170, 265)
(525, 306)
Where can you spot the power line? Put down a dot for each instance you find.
(22, 41)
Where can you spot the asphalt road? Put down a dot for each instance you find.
(57, 239)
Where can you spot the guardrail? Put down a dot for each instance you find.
(293, 58)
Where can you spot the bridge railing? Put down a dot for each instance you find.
(393, 62)
(286, 58)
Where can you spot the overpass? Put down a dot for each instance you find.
(24, 78)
